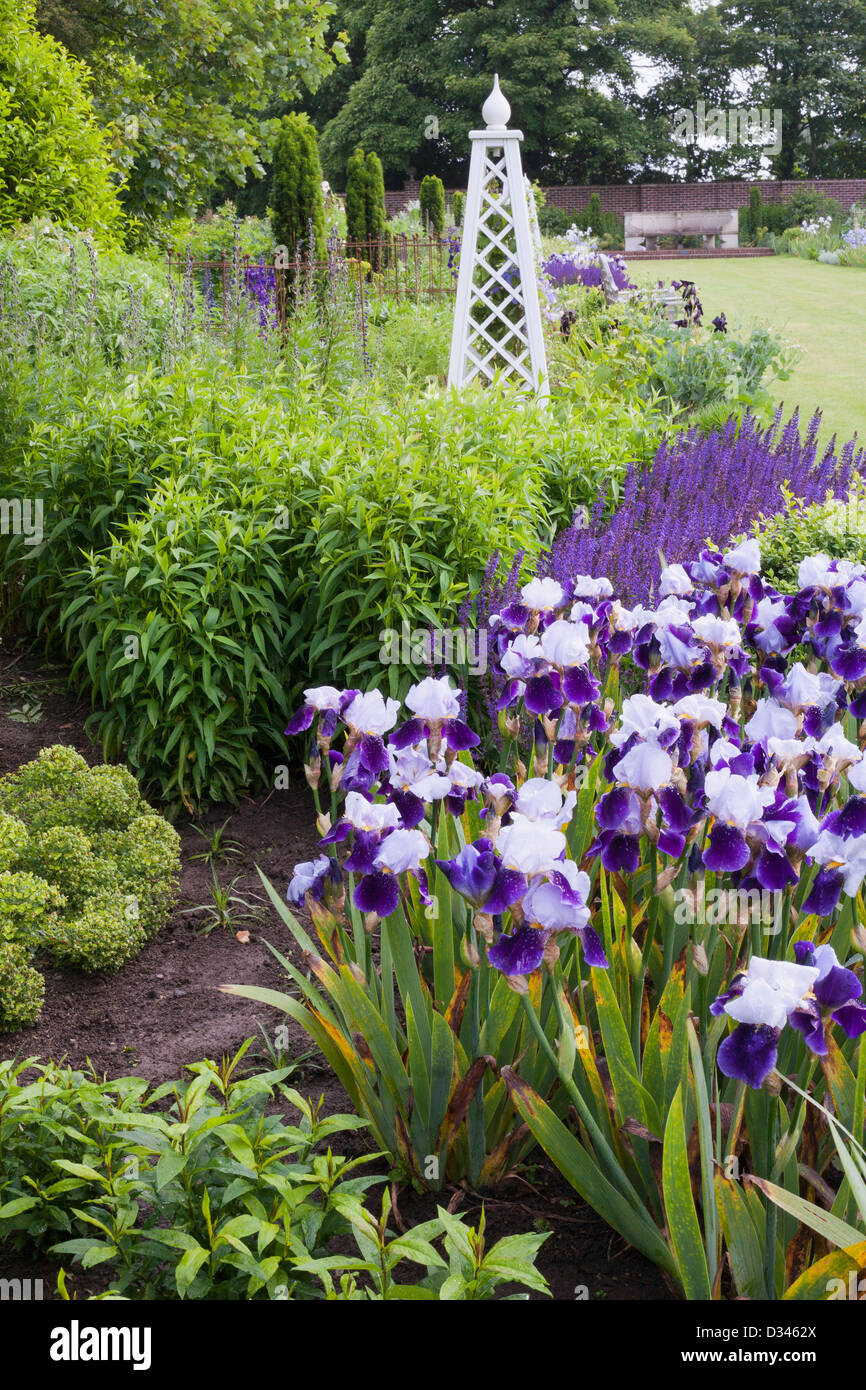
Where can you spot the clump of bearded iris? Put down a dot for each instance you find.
(734, 759)
(735, 754)
(392, 782)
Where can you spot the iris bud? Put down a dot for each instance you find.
(635, 961)
(469, 954)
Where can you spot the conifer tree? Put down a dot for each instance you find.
(432, 197)
(296, 196)
(376, 215)
(356, 197)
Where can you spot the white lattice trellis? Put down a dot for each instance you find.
(497, 319)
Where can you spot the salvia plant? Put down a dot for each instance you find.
(697, 488)
(636, 942)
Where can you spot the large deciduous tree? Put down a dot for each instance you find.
(427, 66)
(185, 85)
(804, 58)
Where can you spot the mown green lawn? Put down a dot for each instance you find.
(820, 308)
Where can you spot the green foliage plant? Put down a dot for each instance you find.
(356, 197)
(375, 216)
(196, 1189)
(54, 159)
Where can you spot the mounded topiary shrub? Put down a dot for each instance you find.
(87, 873)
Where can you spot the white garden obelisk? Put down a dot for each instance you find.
(497, 319)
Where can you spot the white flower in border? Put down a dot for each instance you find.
(542, 595)
(433, 699)
(370, 713)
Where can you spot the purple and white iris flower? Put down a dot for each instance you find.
(760, 1002)
(559, 904)
(530, 847)
(324, 700)
(312, 877)
(542, 801)
(772, 994)
(435, 707)
(840, 850)
(537, 597)
(552, 904)
(834, 997)
(369, 717)
(479, 876)
(398, 852)
(414, 782)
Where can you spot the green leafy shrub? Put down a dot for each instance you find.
(214, 1196)
(291, 524)
(694, 371)
(215, 233)
(432, 199)
(607, 227)
(22, 988)
(28, 908)
(13, 838)
(73, 293)
(771, 222)
(458, 207)
(413, 347)
(407, 533)
(53, 157)
(88, 872)
(553, 220)
(837, 529)
(184, 634)
(629, 352)
(93, 471)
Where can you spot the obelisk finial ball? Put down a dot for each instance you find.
(496, 110)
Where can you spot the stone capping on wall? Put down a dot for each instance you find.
(670, 197)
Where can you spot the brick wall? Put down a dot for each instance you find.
(672, 197)
(395, 202)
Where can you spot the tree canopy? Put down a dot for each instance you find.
(184, 86)
(596, 91)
